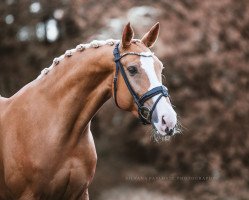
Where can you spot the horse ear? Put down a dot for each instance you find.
(150, 37)
(127, 35)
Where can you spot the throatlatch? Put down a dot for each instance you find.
(145, 113)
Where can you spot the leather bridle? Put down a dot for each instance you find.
(145, 113)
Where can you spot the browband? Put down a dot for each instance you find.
(143, 54)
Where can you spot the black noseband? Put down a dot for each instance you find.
(145, 113)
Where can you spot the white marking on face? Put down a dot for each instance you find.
(163, 109)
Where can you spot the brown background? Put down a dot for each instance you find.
(204, 46)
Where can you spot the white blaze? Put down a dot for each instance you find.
(163, 108)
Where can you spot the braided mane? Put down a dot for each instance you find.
(80, 48)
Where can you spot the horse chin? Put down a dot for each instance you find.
(159, 136)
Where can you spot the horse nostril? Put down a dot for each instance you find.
(169, 131)
(163, 121)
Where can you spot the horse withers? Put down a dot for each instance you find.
(46, 146)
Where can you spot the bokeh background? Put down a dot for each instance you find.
(205, 48)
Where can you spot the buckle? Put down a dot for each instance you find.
(144, 113)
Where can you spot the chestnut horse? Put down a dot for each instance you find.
(46, 146)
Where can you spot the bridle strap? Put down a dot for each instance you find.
(153, 92)
(154, 106)
(133, 93)
(119, 66)
(115, 84)
(146, 54)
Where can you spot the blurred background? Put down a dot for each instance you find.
(205, 48)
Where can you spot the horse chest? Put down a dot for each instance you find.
(68, 182)
(66, 176)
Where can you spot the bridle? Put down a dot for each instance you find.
(145, 113)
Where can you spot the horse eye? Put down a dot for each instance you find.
(132, 70)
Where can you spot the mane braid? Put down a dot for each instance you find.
(80, 48)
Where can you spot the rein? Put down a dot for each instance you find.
(144, 112)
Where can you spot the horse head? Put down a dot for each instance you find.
(138, 84)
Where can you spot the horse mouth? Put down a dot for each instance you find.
(159, 136)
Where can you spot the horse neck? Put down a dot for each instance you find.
(78, 86)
